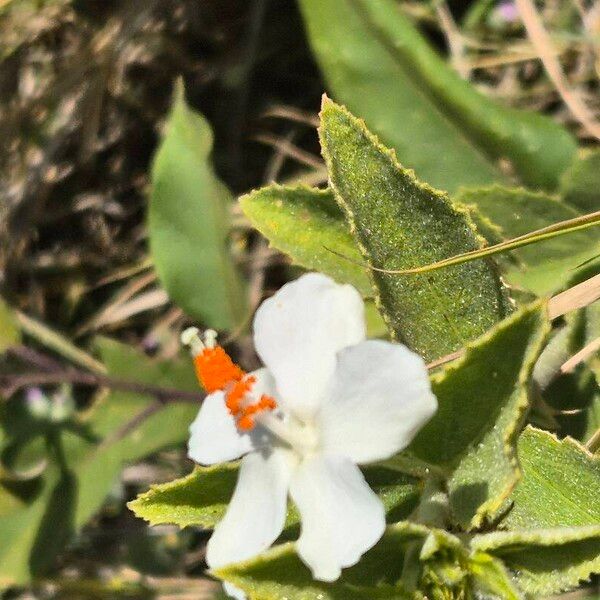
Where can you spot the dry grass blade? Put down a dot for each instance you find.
(124, 273)
(586, 352)
(141, 303)
(292, 113)
(580, 295)
(55, 341)
(454, 38)
(593, 444)
(543, 44)
(289, 149)
(122, 297)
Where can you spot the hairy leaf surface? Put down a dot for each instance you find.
(560, 484)
(483, 399)
(546, 561)
(398, 223)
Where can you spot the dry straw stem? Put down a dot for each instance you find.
(546, 233)
(586, 352)
(57, 342)
(543, 44)
(580, 295)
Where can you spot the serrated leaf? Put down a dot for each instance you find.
(377, 63)
(546, 561)
(279, 573)
(199, 499)
(560, 484)
(491, 578)
(399, 223)
(202, 497)
(38, 527)
(543, 267)
(9, 331)
(483, 399)
(306, 223)
(580, 185)
(188, 223)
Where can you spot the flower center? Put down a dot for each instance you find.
(217, 372)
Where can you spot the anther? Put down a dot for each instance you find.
(217, 372)
(237, 394)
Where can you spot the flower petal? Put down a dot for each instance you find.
(341, 516)
(257, 511)
(298, 331)
(380, 398)
(233, 591)
(214, 437)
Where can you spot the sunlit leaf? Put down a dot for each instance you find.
(279, 573)
(560, 485)
(188, 223)
(399, 222)
(546, 561)
(202, 497)
(307, 224)
(483, 398)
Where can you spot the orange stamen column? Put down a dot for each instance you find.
(216, 371)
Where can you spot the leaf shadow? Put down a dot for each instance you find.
(57, 525)
(468, 497)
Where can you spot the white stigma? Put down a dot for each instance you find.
(210, 338)
(191, 337)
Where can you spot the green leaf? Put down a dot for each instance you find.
(33, 530)
(9, 331)
(376, 327)
(305, 223)
(378, 64)
(483, 398)
(542, 267)
(399, 223)
(279, 573)
(546, 561)
(491, 578)
(19, 529)
(580, 185)
(202, 497)
(188, 223)
(199, 499)
(99, 467)
(560, 484)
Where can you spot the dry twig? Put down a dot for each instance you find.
(541, 41)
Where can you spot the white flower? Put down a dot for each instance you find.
(327, 401)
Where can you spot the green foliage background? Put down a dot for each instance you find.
(132, 129)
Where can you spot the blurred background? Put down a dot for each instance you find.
(85, 89)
